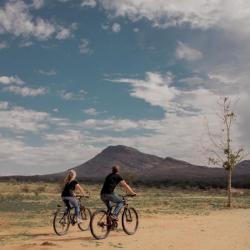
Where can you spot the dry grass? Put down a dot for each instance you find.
(25, 204)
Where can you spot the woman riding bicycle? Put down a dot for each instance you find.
(68, 195)
(107, 192)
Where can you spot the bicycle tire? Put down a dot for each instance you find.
(102, 225)
(61, 215)
(126, 216)
(86, 217)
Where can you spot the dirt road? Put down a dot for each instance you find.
(229, 230)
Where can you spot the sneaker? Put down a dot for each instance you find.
(79, 220)
(114, 217)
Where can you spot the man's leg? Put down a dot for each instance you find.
(119, 203)
(105, 199)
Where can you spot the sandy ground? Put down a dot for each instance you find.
(227, 230)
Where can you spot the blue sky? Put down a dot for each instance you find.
(77, 76)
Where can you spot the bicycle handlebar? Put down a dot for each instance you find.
(128, 195)
(82, 196)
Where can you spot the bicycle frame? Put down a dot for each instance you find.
(113, 223)
(72, 217)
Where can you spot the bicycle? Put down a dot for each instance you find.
(64, 217)
(102, 221)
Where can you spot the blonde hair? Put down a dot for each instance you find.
(70, 176)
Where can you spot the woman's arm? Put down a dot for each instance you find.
(83, 192)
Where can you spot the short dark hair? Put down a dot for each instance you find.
(115, 169)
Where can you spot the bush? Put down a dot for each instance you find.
(25, 189)
(40, 189)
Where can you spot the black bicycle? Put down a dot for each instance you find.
(102, 221)
(64, 217)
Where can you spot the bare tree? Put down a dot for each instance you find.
(223, 153)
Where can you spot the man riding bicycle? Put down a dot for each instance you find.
(107, 192)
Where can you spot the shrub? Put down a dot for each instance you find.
(25, 189)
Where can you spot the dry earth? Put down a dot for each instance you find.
(228, 229)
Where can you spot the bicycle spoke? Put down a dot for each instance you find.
(99, 225)
(61, 222)
(130, 220)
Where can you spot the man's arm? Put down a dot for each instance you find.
(127, 187)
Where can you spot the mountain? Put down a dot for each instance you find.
(152, 169)
(130, 160)
(148, 168)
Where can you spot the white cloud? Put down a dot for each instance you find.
(68, 96)
(4, 45)
(26, 91)
(64, 33)
(116, 27)
(21, 158)
(11, 80)
(88, 3)
(111, 124)
(20, 119)
(105, 26)
(91, 111)
(50, 72)
(183, 51)
(37, 4)
(228, 15)
(84, 47)
(136, 30)
(16, 19)
(25, 44)
(155, 89)
(4, 105)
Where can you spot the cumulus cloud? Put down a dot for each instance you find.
(90, 111)
(69, 96)
(16, 19)
(116, 27)
(155, 89)
(61, 156)
(84, 47)
(26, 91)
(228, 15)
(37, 4)
(20, 119)
(88, 3)
(50, 72)
(64, 33)
(183, 51)
(136, 30)
(25, 44)
(3, 45)
(4, 105)
(6, 80)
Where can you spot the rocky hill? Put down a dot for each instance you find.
(148, 168)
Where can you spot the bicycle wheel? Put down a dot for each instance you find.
(130, 220)
(86, 217)
(61, 222)
(99, 224)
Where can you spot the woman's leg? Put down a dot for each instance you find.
(74, 203)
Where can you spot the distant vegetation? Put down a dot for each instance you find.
(38, 200)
